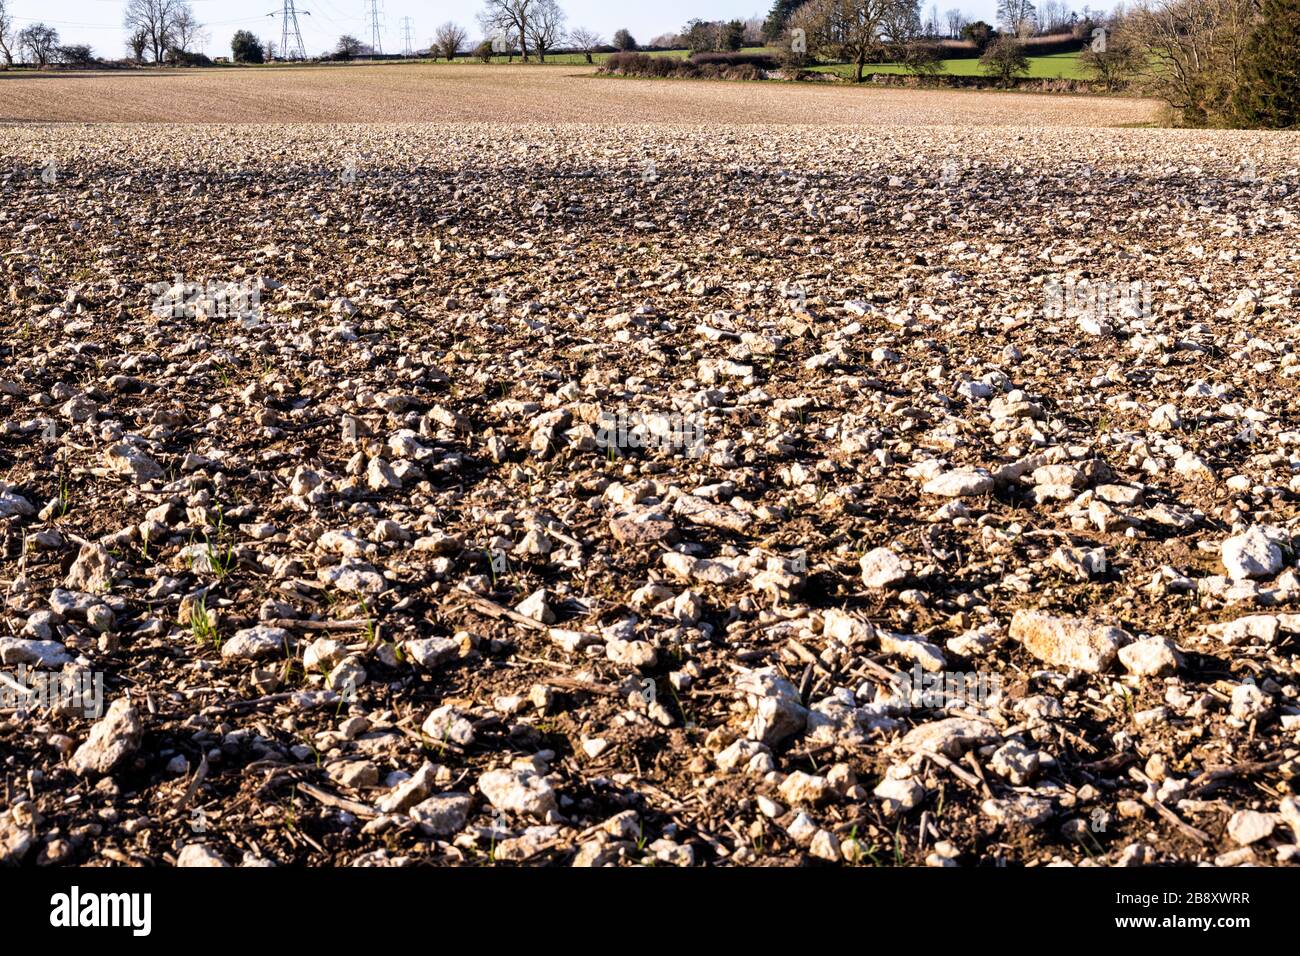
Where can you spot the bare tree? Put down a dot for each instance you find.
(586, 41)
(39, 43)
(137, 43)
(1017, 17)
(545, 26)
(186, 31)
(508, 19)
(348, 47)
(900, 24)
(932, 22)
(1113, 56)
(1046, 13)
(1054, 16)
(1192, 51)
(449, 40)
(157, 18)
(908, 41)
(702, 36)
(955, 20)
(6, 36)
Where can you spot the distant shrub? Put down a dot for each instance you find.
(760, 61)
(187, 58)
(920, 58)
(1055, 43)
(721, 66)
(1005, 59)
(641, 64)
(77, 55)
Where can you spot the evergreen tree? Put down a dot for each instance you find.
(733, 35)
(775, 23)
(1268, 88)
(979, 33)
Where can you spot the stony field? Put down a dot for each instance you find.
(499, 494)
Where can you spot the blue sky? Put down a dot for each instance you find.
(97, 22)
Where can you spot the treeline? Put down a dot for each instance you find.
(168, 32)
(1019, 18)
(37, 44)
(1219, 63)
(158, 31)
(1215, 62)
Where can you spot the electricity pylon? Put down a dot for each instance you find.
(376, 44)
(291, 46)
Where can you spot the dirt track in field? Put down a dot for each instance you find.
(458, 94)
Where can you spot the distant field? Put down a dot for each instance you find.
(1065, 66)
(579, 59)
(463, 93)
(552, 59)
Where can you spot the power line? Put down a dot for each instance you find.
(335, 15)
